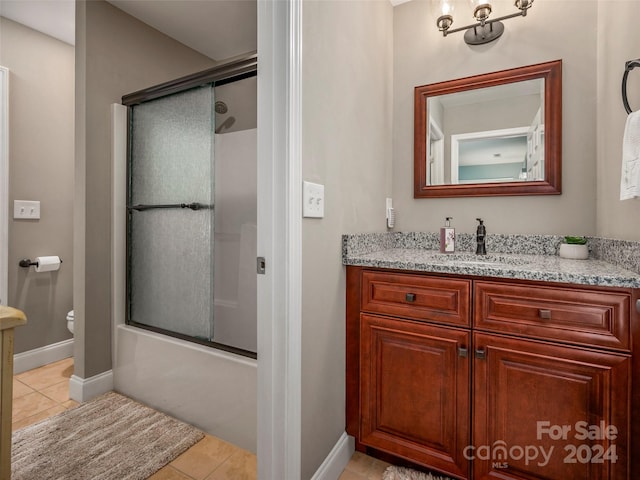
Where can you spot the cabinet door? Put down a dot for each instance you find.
(415, 392)
(550, 412)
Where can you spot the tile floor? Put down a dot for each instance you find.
(41, 393)
(44, 391)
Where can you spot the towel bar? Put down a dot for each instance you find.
(628, 66)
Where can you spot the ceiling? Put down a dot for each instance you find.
(219, 29)
(56, 18)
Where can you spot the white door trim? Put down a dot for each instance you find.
(457, 138)
(4, 185)
(279, 239)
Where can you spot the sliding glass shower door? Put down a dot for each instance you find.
(171, 214)
(192, 207)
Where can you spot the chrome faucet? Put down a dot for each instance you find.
(481, 235)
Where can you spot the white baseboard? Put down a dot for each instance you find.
(83, 389)
(337, 459)
(39, 357)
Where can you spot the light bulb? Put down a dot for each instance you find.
(445, 19)
(446, 7)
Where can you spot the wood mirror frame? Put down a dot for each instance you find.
(551, 72)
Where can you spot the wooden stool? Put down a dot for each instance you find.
(9, 318)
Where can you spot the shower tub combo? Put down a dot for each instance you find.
(184, 249)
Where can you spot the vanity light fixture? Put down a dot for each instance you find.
(485, 30)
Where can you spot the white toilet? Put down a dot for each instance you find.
(70, 318)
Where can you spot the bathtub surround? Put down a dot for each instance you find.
(235, 235)
(117, 452)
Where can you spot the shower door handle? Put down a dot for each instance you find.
(192, 206)
(261, 265)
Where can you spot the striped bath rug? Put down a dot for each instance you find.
(108, 438)
(403, 473)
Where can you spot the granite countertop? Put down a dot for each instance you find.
(544, 265)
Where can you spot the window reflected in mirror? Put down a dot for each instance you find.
(487, 135)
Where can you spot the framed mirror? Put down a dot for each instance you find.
(493, 134)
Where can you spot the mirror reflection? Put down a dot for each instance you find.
(487, 135)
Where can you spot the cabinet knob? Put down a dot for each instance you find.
(638, 306)
(481, 353)
(463, 352)
(410, 297)
(545, 314)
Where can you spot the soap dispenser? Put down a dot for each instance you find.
(481, 236)
(447, 237)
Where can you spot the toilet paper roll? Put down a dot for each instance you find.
(48, 264)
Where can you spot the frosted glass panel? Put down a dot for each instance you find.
(172, 149)
(171, 286)
(171, 249)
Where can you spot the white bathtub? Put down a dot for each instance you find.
(208, 388)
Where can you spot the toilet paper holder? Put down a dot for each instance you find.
(26, 263)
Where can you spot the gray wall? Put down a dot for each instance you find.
(346, 125)
(552, 30)
(115, 55)
(618, 40)
(41, 119)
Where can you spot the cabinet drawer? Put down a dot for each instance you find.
(588, 317)
(417, 297)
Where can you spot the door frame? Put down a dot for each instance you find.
(279, 239)
(4, 186)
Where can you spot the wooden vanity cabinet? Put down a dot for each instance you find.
(518, 383)
(408, 366)
(479, 363)
(414, 388)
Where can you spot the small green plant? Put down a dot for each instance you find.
(575, 240)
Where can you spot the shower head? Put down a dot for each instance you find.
(220, 107)
(226, 124)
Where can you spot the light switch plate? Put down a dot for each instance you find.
(26, 209)
(312, 200)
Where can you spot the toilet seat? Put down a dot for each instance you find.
(70, 320)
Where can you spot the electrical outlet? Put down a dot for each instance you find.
(312, 200)
(26, 209)
(391, 213)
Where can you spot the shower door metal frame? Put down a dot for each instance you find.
(244, 67)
